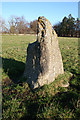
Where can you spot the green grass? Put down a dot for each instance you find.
(50, 101)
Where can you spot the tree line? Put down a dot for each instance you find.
(18, 25)
(68, 27)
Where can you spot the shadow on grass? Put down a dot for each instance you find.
(75, 83)
(62, 101)
(13, 68)
(66, 99)
(32, 109)
(58, 104)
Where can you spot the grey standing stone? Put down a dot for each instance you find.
(44, 61)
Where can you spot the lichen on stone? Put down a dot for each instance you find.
(44, 61)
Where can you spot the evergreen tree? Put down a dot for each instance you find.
(67, 27)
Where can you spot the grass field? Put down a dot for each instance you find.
(49, 101)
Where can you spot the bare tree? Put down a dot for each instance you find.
(21, 25)
(3, 26)
(18, 25)
(12, 24)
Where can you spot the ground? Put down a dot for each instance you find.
(49, 101)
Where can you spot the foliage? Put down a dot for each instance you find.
(50, 101)
(68, 27)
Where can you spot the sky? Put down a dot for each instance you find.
(53, 11)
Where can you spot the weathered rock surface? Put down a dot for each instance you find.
(44, 61)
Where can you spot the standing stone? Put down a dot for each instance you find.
(44, 61)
